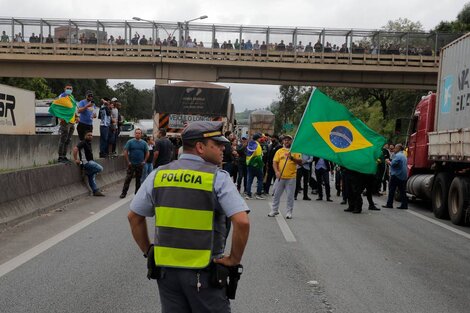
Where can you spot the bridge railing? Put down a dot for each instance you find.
(148, 53)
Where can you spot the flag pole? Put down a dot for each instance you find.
(295, 136)
(303, 115)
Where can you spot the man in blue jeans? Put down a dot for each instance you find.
(83, 156)
(398, 176)
(254, 165)
(105, 117)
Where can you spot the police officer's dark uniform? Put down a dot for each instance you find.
(194, 202)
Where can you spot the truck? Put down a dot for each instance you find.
(439, 138)
(177, 104)
(261, 121)
(16, 111)
(46, 123)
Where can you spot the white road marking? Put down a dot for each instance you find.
(288, 235)
(452, 229)
(10, 265)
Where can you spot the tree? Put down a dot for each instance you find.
(136, 104)
(460, 25)
(38, 85)
(403, 25)
(464, 15)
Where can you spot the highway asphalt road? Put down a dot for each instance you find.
(323, 260)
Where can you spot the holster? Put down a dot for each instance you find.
(234, 276)
(153, 271)
(218, 275)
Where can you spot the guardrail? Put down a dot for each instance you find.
(167, 54)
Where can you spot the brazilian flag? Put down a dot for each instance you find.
(329, 131)
(64, 108)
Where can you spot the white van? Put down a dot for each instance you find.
(146, 126)
(46, 123)
(126, 128)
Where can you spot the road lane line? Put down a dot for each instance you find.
(452, 229)
(10, 265)
(288, 235)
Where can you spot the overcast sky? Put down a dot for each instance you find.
(366, 14)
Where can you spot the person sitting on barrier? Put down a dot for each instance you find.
(83, 156)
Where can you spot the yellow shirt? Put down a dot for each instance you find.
(281, 157)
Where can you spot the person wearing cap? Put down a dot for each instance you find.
(255, 165)
(85, 109)
(192, 200)
(285, 167)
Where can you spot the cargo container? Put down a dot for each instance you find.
(177, 104)
(439, 138)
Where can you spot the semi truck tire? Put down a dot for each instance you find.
(440, 192)
(459, 200)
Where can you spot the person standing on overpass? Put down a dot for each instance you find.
(193, 201)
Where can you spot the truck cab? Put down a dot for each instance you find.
(45, 122)
(421, 124)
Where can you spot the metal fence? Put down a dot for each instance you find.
(221, 36)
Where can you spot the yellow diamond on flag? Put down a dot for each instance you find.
(64, 101)
(341, 136)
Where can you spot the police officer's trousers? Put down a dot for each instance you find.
(179, 293)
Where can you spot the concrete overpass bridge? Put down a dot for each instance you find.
(373, 59)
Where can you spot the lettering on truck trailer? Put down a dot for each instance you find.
(7, 102)
(463, 98)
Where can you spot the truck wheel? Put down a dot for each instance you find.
(459, 200)
(440, 191)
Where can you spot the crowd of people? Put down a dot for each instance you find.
(267, 158)
(264, 158)
(172, 41)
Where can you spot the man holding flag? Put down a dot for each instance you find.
(329, 131)
(64, 108)
(285, 168)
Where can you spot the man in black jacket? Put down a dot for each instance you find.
(322, 172)
(272, 149)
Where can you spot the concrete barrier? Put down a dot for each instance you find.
(26, 151)
(30, 192)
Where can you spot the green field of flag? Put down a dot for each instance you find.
(64, 108)
(329, 131)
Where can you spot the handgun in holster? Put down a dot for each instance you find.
(234, 276)
(153, 271)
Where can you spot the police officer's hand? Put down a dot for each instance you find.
(227, 260)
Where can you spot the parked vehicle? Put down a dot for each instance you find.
(16, 111)
(127, 128)
(261, 121)
(181, 103)
(439, 138)
(46, 123)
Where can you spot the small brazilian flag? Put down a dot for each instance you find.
(329, 131)
(64, 108)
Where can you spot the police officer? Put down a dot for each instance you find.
(193, 202)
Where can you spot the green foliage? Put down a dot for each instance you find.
(243, 115)
(378, 108)
(99, 87)
(403, 25)
(38, 85)
(460, 25)
(136, 104)
(464, 15)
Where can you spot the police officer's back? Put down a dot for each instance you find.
(192, 200)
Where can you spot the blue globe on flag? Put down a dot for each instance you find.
(341, 137)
